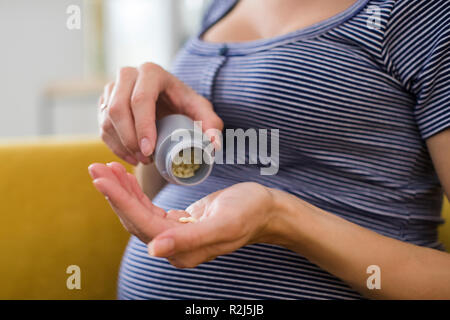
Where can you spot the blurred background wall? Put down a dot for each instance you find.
(52, 74)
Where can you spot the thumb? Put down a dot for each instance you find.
(185, 238)
(199, 108)
(188, 102)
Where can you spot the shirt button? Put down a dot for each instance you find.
(223, 51)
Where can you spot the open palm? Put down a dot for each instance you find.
(227, 219)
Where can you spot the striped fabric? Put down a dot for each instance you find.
(354, 105)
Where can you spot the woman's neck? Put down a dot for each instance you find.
(261, 19)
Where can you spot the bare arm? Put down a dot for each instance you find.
(346, 249)
(439, 148)
(248, 213)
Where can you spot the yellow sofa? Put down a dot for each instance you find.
(51, 217)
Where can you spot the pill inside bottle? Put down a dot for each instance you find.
(183, 165)
(178, 136)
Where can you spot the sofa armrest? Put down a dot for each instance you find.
(52, 217)
(444, 230)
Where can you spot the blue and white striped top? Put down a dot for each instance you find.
(354, 105)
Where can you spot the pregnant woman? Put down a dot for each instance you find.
(360, 91)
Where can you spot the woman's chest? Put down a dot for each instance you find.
(304, 87)
(328, 101)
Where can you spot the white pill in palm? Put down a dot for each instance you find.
(187, 219)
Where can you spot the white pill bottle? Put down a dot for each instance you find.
(178, 138)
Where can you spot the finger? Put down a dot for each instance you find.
(187, 238)
(130, 183)
(200, 109)
(193, 259)
(216, 137)
(100, 101)
(99, 170)
(121, 174)
(125, 223)
(107, 90)
(119, 109)
(197, 107)
(177, 214)
(149, 84)
(104, 101)
(138, 191)
(199, 209)
(112, 189)
(113, 142)
(105, 97)
(150, 222)
(108, 132)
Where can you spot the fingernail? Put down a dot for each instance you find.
(131, 160)
(215, 139)
(145, 147)
(161, 247)
(100, 188)
(142, 158)
(217, 144)
(91, 171)
(96, 184)
(190, 209)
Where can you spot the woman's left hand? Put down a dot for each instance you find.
(227, 219)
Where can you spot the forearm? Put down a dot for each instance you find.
(346, 250)
(149, 179)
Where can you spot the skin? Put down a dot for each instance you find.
(227, 220)
(254, 19)
(139, 97)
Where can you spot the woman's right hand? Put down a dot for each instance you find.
(130, 106)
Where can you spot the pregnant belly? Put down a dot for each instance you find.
(259, 271)
(180, 197)
(222, 176)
